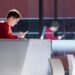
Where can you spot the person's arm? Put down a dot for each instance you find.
(54, 38)
(7, 33)
(50, 35)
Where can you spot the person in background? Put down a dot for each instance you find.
(12, 19)
(51, 30)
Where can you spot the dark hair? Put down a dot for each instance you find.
(55, 24)
(13, 13)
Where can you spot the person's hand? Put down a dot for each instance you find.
(60, 37)
(21, 34)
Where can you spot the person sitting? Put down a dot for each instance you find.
(51, 30)
(12, 19)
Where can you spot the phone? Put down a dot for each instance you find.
(26, 32)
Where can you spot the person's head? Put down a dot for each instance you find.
(13, 17)
(54, 26)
